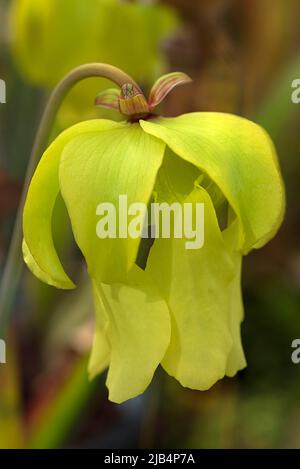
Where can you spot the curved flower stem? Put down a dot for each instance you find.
(13, 267)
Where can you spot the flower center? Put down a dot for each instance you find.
(131, 101)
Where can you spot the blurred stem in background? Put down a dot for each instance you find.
(55, 420)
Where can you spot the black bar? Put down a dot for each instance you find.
(150, 458)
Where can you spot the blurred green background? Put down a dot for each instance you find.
(243, 56)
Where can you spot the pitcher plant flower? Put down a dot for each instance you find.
(183, 308)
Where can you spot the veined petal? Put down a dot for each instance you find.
(196, 286)
(39, 248)
(240, 158)
(108, 99)
(164, 85)
(138, 331)
(97, 170)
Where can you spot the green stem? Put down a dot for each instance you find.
(13, 267)
(57, 419)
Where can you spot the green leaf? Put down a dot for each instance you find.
(39, 250)
(98, 168)
(240, 158)
(138, 330)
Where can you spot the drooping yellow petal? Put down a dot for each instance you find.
(108, 98)
(201, 286)
(35, 269)
(138, 330)
(51, 37)
(100, 354)
(236, 359)
(39, 248)
(240, 158)
(96, 170)
(196, 285)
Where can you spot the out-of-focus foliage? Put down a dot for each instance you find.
(51, 37)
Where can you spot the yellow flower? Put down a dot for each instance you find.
(182, 309)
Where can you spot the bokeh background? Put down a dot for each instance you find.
(243, 56)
